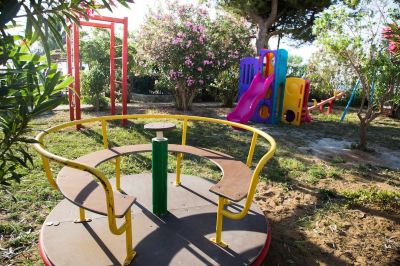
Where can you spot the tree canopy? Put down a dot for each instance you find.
(290, 18)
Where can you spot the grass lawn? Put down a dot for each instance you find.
(326, 205)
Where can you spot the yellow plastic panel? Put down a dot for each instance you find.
(293, 101)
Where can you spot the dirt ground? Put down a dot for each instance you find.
(312, 224)
(314, 227)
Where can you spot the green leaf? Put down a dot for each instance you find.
(39, 31)
(47, 106)
(65, 83)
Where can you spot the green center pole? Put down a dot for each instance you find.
(159, 170)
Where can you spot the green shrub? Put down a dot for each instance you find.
(226, 85)
(315, 173)
(142, 84)
(93, 84)
(373, 195)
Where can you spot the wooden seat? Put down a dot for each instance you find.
(80, 188)
(236, 176)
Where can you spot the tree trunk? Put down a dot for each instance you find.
(184, 97)
(261, 34)
(97, 102)
(227, 102)
(362, 145)
(264, 24)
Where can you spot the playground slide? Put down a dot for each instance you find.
(249, 100)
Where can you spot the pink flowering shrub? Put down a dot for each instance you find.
(172, 41)
(182, 44)
(392, 34)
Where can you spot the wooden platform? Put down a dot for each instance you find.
(179, 238)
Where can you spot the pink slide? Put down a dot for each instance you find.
(249, 100)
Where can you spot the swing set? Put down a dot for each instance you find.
(371, 97)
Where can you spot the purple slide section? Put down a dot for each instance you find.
(248, 102)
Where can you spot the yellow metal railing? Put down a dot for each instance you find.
(126, 227)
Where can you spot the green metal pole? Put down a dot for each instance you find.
(159, 170)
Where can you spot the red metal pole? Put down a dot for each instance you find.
(124, 69)
(95, 24)
(330, 106)
(321, 107)
(69, 68)
(112, 68)
(108, 19)
(77, 75)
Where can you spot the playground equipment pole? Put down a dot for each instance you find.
(124, 69)
(159, 173)
(112, 68)
(69, 67)
(350, 100)
(77, 76)
(159, 165)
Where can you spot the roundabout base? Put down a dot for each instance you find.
(181, 237)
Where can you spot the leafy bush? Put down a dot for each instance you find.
(162, 86)
(93, 83)
(29, 87)
(226, 84)
(141, 84)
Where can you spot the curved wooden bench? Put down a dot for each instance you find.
(80, 188)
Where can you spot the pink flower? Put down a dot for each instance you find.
(392, 47)
(189, 62)
(189, 44)
(189, 81)
(177, 40)
(181, 9)
(200, 69)
(201, 82)
(172, 73)
(201, 39)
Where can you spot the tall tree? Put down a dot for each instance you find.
(352, 36)
(294, 18)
